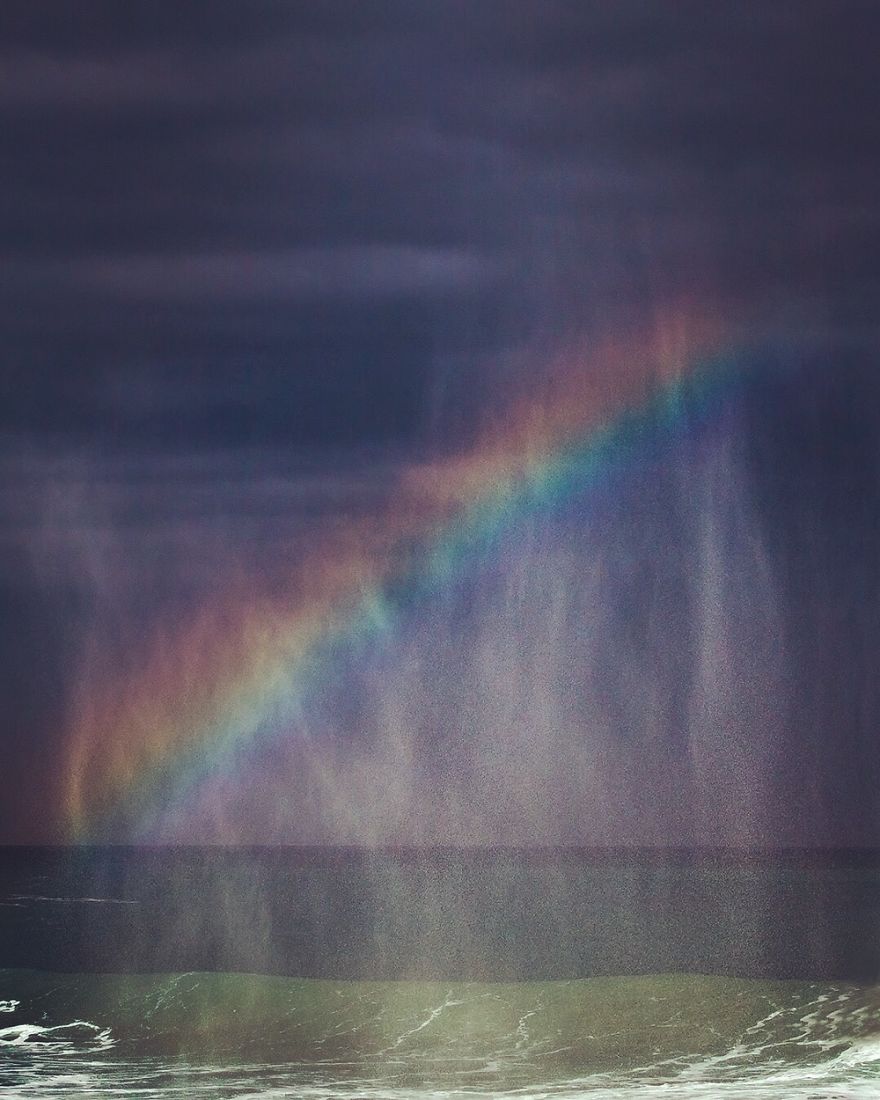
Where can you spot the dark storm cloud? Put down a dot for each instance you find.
(285, 211)
(727, 143)
(176, 523)
(239, 239)
(308, 273)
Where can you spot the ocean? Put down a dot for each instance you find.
(337, 973)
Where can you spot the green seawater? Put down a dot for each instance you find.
(242, 1035)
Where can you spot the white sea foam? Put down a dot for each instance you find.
(51, 1079)
(76, 1036)
(93, 901)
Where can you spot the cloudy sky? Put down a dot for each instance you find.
(259, 257)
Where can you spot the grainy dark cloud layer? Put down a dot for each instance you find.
(315, 194)
(255, 256)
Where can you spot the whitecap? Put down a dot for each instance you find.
(91, 901)
(78, 1035)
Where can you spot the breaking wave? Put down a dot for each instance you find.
(685, 1037)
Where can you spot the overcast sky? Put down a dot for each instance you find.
(256, 257)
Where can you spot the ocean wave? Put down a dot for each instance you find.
(685, 1037)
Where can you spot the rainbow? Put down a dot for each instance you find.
(204, 697)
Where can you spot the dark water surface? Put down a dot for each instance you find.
(283, 972)
(442, 915)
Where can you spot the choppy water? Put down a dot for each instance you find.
(200, 973)
(233, 1035)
